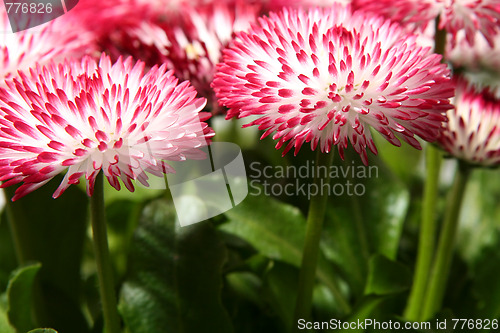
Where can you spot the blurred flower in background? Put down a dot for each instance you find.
(326, 76)
(454, 15)
(196, 44)
(111, 24)
(480, 64)
(472, 132)
(186, 36)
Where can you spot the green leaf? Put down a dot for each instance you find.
(52, 232)
(281, 283)
(386, 276)
(247, 285)
(20, 297)
(43, 330)
(5, 326)
(277, 230)
(175, 276)
(246, 302)
(487, 271)
(369, 220)
(479, 223)
(478, 243)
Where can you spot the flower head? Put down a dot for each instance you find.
(326, 76)
(455, 15)
(473, 129)
(85, 117)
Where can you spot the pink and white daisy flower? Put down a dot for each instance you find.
(327, 76)
(85, 117)
(54, 40)
(454, 15)
(472, 132)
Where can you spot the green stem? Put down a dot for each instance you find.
(103, 261)
(24, 246)
(444, 255)
(19, 229)
(316, 215)
(440, 40)
(427, 236)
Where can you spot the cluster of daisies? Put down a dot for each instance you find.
(123, 87)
